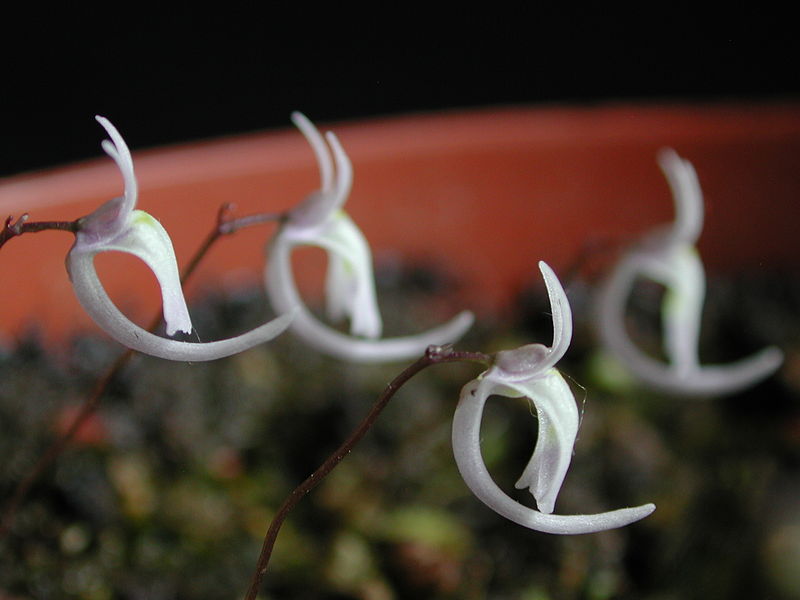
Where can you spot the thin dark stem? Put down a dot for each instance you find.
(232, 225)
(433, 355)
(210, 240)
(57, 447)
(16, 228)
(224, 226)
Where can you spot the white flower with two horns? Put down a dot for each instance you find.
(350, 285)
(117, 226)
(530, 372)
(667, 256)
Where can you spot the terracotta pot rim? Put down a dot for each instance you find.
(498, 189)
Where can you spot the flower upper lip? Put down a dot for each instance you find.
(350, 284)
(529, 372)
(117, 226)
(320, 205)
(535, 360)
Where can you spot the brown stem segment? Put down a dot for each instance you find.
(224, 226)
(433, 355)
(16, 228)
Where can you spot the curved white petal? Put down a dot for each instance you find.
(284, 296)
(323, 203)
(339, 287)
(147, 239)
(687, 194)
(314, 138)
(558, 426)
(122, 156)
(466, 449)
(95, 301)
(698, 381)
(558, 419)
(534, 360)
(682, 310)
(111, 219)
(344, 173)
(350, 282)
(562, 316)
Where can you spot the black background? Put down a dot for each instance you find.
(184, 72)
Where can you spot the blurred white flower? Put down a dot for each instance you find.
(530, 372)
(117, 226)
(350, 284)
(667, 256)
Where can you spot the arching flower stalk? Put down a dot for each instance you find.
(530, 372)
(350, 284)
(668, 256)
(117, 226)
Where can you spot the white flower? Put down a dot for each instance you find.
(668, 256)
(350, 285)
(530, 372)
(117, 226)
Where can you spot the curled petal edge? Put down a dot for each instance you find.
(350, 283)
(707, 380)
(284, 296)
(146, 238)
(558, 419)
(94, 299)
(466, 449)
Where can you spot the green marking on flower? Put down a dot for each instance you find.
(140, 217)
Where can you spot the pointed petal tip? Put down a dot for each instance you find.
(622, 517)
(107, 125)
(673, 164)
(773, 356)
(463, 321)
(634, 513)
(637, 513)
(299, 118)
(666, 155)
(547, 273)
